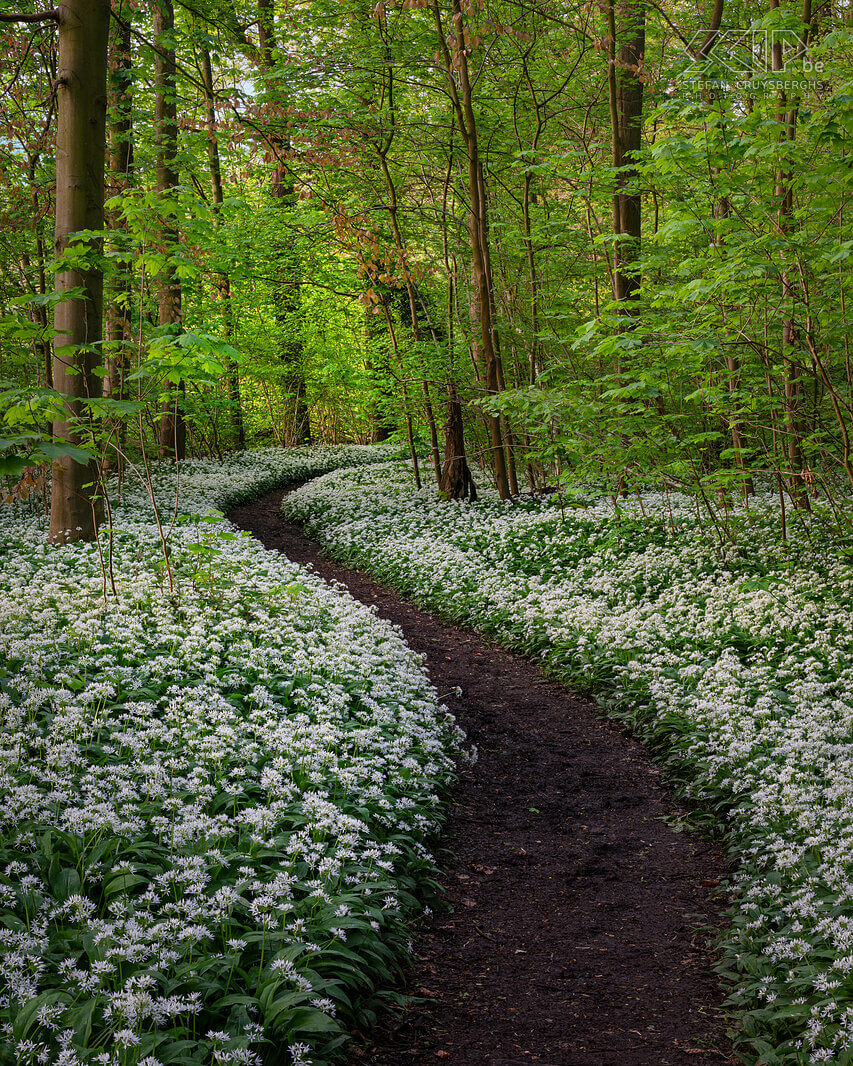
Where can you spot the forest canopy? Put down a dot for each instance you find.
(604, 243)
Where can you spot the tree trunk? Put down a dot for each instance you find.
(43, 347)
(627, 40)
(506, 429)
(287, 301)
(392, 336)
(461, 95)
(733, 368)
(224, 280)
(173, 434)
(287, 295)
(117, 331)
(80, 150)
(456, 481)
(403, 257)
(376, 364)
(787, 115)
(530, 251)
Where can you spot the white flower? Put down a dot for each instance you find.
(186, 729)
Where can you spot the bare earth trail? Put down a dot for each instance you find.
(578, 929)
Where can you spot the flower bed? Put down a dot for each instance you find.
(734, 660)
(219, 782)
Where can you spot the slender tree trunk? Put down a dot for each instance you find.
(43, 346)
(288, 302)
(433, 431)
(379, 373)
(173, 433)
(733, 379)
(506, 427)
(392, 335)
(80, 151)
(456, 480)
(530, 252)
(461, 95)
(224, 281)
(117, 332)
(413, 453)
(287, 296)
(399, 244)
(626, 45)
(787, 115)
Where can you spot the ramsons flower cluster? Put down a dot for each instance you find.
(220, 779)
(732, 653)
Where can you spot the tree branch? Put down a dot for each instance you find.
(39, 16)
(713, 29)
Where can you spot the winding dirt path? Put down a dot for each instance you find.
(579, 922)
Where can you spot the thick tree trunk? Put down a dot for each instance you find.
(627, 39)
(80, 151)
(456, 482)
(173, 434)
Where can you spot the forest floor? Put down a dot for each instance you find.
(580, 916)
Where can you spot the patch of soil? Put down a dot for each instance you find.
(579, 920)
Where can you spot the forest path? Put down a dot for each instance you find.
(577, 934)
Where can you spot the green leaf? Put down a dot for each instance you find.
(122, 883)
(66, 883)
(13, 467)
(25, 1018)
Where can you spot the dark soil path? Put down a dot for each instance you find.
(578, 929)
